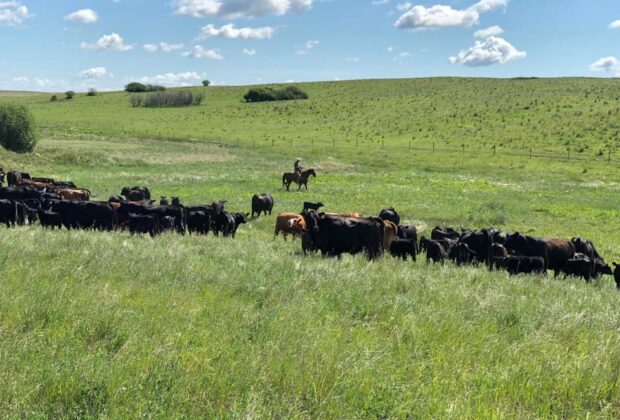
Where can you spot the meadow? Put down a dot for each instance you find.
(109, 325)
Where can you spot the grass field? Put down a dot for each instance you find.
(108, 325)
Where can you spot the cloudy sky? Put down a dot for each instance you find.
(56, 45)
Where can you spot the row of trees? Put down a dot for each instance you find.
(266, 94)
(137, 87)
(167, 99)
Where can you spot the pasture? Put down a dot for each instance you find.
(108, 325)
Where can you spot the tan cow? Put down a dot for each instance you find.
(390, 231)
(74, 194)
(290, 224)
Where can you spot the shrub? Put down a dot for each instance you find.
(136, 87)
(206, 83)
(17, 129)
(91, 92)
(266, 94)
(167, 99)
(54, 98)
(69, 94)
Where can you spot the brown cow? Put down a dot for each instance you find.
(74, 194)
(290, 224)
(390, 231)
(352, 214)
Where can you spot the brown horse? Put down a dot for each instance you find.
(301, 180)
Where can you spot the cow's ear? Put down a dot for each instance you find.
(247, 214)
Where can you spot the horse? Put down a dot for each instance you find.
(301, 180)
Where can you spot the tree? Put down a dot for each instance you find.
(69, 94)
(91, 92)
(17, 129)
(135, 87)
(54, 98)
(206, 83)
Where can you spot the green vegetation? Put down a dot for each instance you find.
(135, 87)
(167, 99)
(91, 92)
(17, 129)
(206, 83)
(268, 94)
(109, 325)
(69, 94)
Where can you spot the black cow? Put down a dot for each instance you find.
(390, 214)
(239, 219)
(84, 214)
(143, 224)
(336, 235)
(479, 241)
(163, 201)
(136, 193)
(312, 206)
(443, 233)
(496, 251)
(434, 250)
(262, 203)
(176, 212)
(617, 275)
(49, 219)
(579, 267)
(408, 232)
(462, 254)
(555, 252)
(198, 222)
(401, 248)
(586, 247)
(521, 264)
(8, 212)
(14, 177)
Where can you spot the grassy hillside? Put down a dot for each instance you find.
(109, 325)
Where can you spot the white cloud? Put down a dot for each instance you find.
(13, 13)
(229, 31)
(94, 73)
(306, 47)
(83, 16)
(162, 47)
(200, 52)
(235, 9)
(605, 64)
(615, 24)
(112, 42)
(249, 51)
(188, 78)
(493, 50)
(492, 31)
(438, 16)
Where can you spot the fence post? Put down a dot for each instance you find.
(463, 145)
(568, 153)
(494, 150)
(433, 146)
(530, 152)
(382, 143)
(609, 157)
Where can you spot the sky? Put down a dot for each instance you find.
(56, 45)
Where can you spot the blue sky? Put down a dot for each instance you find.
(76, 44)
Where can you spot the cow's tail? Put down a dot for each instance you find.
(283, 180)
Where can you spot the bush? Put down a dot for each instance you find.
(168, 99)
(17, 129)
(135, 87)
(69, 94)
(91, 92)
(54, 98)
(206, 83)
(267, 94)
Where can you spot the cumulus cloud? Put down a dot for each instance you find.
(173, 79)
(200, 52)
(111, 42)
(492, 31)
(93, 73)
(493, 50)
(229, 31)
(306, 47)
(83, 16)
(235, 9)
(606, 64)
(162, 47)
(249, 51)
(615, 24)
(13, 13)
(438, 16)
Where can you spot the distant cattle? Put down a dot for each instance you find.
(136, 193)
(198, 222)
(461, 253)
(390, 232)
(444, 232)
(290, 224)
(312, 206)
(163, 201)
(402, 248)
(579, 267)
(262, 203)
(390, 214)
(74, 194)
(49, 219)
(521, 264)
(408, 232)
(496, 251)
(14, 178)
(143, 224)
(434, 250)
(8, 212)
(554, 252)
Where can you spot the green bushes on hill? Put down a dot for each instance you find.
(135, 87)
(266, 94)
(17, 129)
(167, 99)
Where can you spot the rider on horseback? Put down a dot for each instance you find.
(298, 167)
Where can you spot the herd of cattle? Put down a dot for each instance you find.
(57, 204)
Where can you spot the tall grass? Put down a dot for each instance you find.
(167, 99)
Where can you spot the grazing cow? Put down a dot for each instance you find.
(521, 264)
(462, 254)
(143, 224)
(163, 201)
(49, 219)
(555, 252)
(390, 232)
(390, 214)
(443, 233)
(290, 224)
(617, 275)
(434, 250)
(198, 222)
(312, 206)
(408, 232)
(8, 212)
(74, 194)
(336, 235)
(400, 248)
(262, 203)
(601, 267)
(136, 193)
(579, 267)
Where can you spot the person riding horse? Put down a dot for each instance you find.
(298, 167)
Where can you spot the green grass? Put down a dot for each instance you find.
(108, 325)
